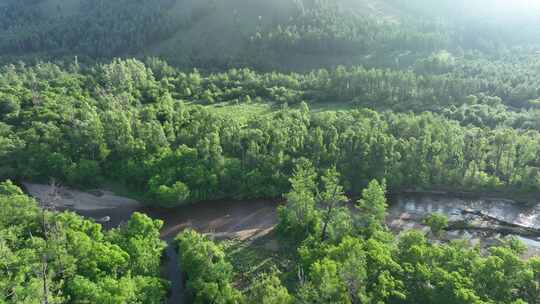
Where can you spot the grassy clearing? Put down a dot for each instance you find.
(247, 110)
(244, 111)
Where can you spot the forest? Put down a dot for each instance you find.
(171, 140)
(331, 108)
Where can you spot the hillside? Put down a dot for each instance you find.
(322, 151)
(291, 34)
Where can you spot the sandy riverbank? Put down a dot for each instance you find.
(76, 200)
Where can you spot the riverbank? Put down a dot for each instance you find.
(245, 219)
(481, 221)
(518, 197)
(67, 198)
(239, 220)
(248, 220)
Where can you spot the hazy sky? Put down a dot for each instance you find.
(516, 6)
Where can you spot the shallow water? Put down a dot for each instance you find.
(407, 211)
(526, 215)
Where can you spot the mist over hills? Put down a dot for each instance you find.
(293, 34)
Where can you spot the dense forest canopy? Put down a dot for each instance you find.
(171, 140)
(65, 258)
(313, 102)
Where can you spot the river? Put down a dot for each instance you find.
(488, 219)
(239, 219)
(482, 220)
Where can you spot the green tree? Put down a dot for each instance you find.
(60, 256)
(300, 217)
(372, 208)
(325, 285)
(209, 274)
(267, 289)
(333, 214)
(140, 237)
(437, 222)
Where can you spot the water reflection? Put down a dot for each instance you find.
(488, 220)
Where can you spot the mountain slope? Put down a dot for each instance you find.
(294, 34)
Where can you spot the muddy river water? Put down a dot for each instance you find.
(239, 219)
(482, 221)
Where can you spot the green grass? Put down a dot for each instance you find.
(245, 110)
(251, 258)
(241, 111)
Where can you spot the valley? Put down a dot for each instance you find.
(269, 152)
(248, 221)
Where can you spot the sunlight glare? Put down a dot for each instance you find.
(518, 5)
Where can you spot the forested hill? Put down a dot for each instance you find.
(306, 102)
(298, 34)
